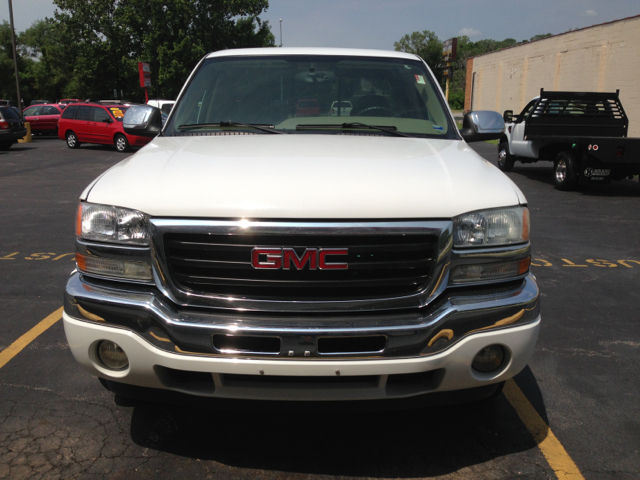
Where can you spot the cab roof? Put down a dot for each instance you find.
(353, 52)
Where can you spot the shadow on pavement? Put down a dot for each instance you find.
(406, 443)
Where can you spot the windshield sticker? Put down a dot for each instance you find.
(117, 112)
(420, 79)
(437, 127)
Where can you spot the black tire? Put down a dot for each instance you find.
(6, 145)
(72, 140)
(121, 143)
(505, 159)
(565, 172)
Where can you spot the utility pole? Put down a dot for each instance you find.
(15, 58)
(280, 32)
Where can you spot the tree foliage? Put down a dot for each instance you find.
(92, 47)
(428, 46)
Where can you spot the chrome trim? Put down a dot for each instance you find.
(440, 275)
(418, 332)
(489, 255)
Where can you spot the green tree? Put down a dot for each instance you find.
(540, 37)
(425, 44)
(49, 71)
(112, 36)
(7, 70)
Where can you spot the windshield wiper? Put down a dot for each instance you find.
(262, 127)
(352, 126)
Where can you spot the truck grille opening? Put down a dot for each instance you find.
(404, 384)
(346, 345)
(379, 266)
(201, 383)
(186, 381)
(246, 344)
(274, 381)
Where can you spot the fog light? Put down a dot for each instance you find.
(112, 356)
(488, 359)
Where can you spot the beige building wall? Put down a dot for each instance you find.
(601, 58)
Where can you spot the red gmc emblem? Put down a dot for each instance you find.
(285, 258)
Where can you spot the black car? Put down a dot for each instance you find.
(11, 128)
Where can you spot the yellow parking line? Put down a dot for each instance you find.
(557, 457)
(16, 347)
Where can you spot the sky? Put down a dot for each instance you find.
(378, 24)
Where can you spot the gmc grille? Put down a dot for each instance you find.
(380, 266)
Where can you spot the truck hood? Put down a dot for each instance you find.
(304, 176)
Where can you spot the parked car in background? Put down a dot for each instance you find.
(114, 101)
(43, 118)
(93, 123)
(11, 127)
(165, 106)
(345, 109)
(8, 103)
(308, 108)
(70, 100)
(38, 102)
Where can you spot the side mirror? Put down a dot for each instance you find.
(143, 121)
(482, 125)
(507, 116)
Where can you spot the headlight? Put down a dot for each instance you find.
(104, 223)
(502, 226)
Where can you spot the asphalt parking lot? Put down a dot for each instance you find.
(573, 412)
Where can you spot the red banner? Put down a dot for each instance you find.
(145, 74)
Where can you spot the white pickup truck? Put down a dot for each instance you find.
(250, 253)
(583, 133)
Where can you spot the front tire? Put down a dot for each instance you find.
(72, 140)
(565, 170)
(505, 159)
(6, 145)
(121, 143)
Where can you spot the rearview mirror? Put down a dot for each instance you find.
(482, 125)
(142, 120)
(507, 116)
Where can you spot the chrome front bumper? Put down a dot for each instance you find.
(425, 351)
(457, 314)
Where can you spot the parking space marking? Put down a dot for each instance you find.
(16, 347)
(557, 457)
(553, 451)
(589, 262)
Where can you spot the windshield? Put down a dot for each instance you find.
(289, 91)
(118, 112)
(8, 113)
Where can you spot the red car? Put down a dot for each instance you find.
(308, 108)
(93, 123)
(43, 118)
